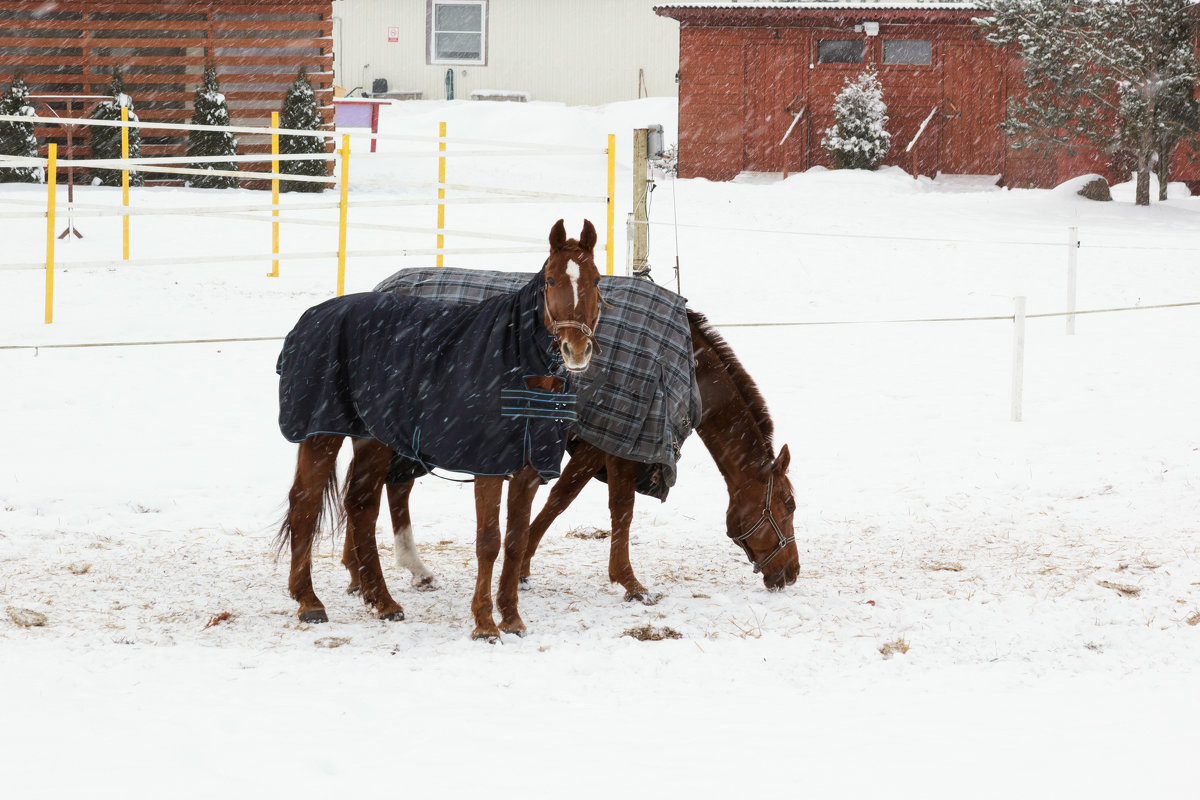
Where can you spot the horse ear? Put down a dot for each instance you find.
(784, 459)
(558, 236)
(587, 239)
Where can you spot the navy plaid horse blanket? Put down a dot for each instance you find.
(638, 398)
(442, 385)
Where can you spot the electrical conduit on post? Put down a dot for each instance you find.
(125, 183)
(274, 273)
(342, 208)
(441, 209)
(51, 180)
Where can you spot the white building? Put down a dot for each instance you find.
(579, 52)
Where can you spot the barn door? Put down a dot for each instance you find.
(973, 88)
(770, 85)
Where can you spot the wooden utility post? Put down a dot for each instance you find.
(641, 230)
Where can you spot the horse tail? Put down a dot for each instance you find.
(330, 511)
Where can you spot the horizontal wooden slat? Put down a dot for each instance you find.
(163, 42)
(168, 7)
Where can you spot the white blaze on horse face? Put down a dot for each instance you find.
(573, 274)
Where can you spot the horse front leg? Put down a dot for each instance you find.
(622, 484)
(364, 486)
(314, 479)
(487, 547)
(521, 490)
(402, 531)
(585, 462)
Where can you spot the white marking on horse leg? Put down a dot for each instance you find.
(408, 558)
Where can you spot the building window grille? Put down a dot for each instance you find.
(457, 32)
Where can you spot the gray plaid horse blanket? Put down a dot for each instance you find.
(638, 399)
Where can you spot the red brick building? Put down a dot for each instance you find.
(746, 70)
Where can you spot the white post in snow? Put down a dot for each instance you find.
(1072, 261)
(1018, 359)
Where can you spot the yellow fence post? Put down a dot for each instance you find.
(274, 273)
(345, 181)
(441, 217)
(612, 190)
(51, 179)
(125, 184)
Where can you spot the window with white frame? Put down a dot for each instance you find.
(457, 31)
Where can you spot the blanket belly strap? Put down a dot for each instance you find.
(532, 404)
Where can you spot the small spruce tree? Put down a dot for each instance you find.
(210, 108)
(17, 138)
(300, 113)
(858, 139)
(106, 141)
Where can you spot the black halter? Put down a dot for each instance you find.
(765, 519)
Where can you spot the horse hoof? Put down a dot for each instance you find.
(426, 584)
(645, 598)
(393, 616)
(316, 616)
(353, 590)
(523, 582)
(486, 636)
(518, 628)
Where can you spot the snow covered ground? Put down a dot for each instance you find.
(1043, 576)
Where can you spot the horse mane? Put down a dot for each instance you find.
(742, 381)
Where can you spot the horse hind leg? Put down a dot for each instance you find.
(407, 556)
(364, 486)
(622, 485)
(314, 485)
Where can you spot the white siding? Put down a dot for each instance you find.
(579, 52)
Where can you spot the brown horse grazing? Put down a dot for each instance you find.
(735, 428)
(364, 393)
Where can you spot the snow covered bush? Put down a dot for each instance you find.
(858, 139)
(106, 141)
(210, 108)
(300, 113)
(17, 138)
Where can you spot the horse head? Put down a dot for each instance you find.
(759, 519)
(572, 306)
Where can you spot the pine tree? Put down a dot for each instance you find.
(17, 138)
(858, 139)
(300, 113)
(210, 108)
(1118, 74)
(106, 141)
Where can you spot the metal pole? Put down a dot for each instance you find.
(1072, 263)
(125, 184)
(274, 273)
(345, 183)
(441, 209)
(612, 191)
(51, 180)
(1018, 359)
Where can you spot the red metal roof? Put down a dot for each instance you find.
(795, 14)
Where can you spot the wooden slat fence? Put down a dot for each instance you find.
(69, 47)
